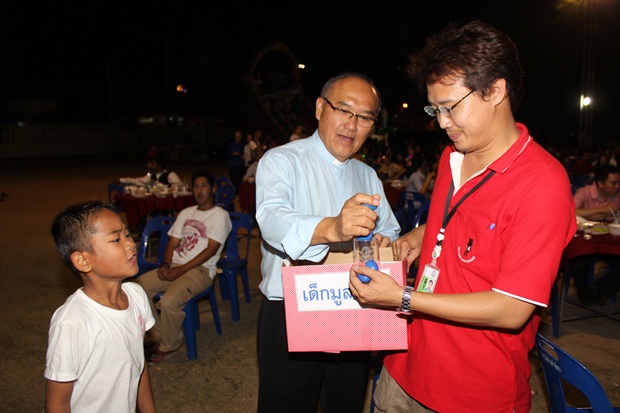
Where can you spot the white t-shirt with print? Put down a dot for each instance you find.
(194, 228)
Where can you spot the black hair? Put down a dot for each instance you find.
(417, 161)
(73, 229)
(477, 52)
(602, 172)
(203, 174)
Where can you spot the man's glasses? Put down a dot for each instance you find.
(444, 110)
(346, 115)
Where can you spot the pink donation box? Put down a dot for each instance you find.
(322, 315)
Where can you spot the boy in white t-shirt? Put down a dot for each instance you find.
(95, 355)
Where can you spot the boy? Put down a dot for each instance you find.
(95, 356)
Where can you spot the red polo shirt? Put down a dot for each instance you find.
(517, 224)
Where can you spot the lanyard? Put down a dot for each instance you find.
(447, 216)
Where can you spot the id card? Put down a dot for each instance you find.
(429, 279)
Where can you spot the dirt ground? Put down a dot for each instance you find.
(34, 282)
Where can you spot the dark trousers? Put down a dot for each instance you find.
(236, 175)
(296, 382)
(605, 286)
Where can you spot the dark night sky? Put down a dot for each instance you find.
(86, 53)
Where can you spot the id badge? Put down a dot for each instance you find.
(429, 279)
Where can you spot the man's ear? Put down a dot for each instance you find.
(81, 262)
(498, 91)
(319, 106)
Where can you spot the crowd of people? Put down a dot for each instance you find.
(475, 305)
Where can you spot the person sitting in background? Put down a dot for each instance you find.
(389, 170)
(597, 202)
(196, 241)
(95, 355)
(250, 173)
(157, 172)
(421, 180)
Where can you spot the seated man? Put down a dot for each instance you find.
(595, 202)
(196, 242)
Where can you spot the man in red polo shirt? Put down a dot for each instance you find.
(500, 216)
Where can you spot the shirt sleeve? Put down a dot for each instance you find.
(523, 271)
(67, 344)
(288, 230)
(580, 197)
(176, 230)
(220, 228)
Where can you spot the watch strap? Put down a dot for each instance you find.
(405, 306)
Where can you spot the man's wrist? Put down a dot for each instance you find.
(405, 305)
(165, 264)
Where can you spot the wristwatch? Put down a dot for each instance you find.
(405, 306)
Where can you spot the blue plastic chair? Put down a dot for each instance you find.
(412, 217)
(226, 192)
(222, 180)
(113, 189)
(232, 262)
(422, 213)
(191, 323)
(560, 367)
(155, 228)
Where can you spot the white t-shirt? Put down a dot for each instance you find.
(101, 349)
(194, 228)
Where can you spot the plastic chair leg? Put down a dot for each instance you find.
(224, 287)
(215, 312)
(189, 325)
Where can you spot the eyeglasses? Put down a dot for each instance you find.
(346, 115)
(444, 110)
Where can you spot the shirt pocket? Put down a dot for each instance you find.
(478, 246)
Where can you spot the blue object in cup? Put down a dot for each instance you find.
(370, 264)
(364, 251)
